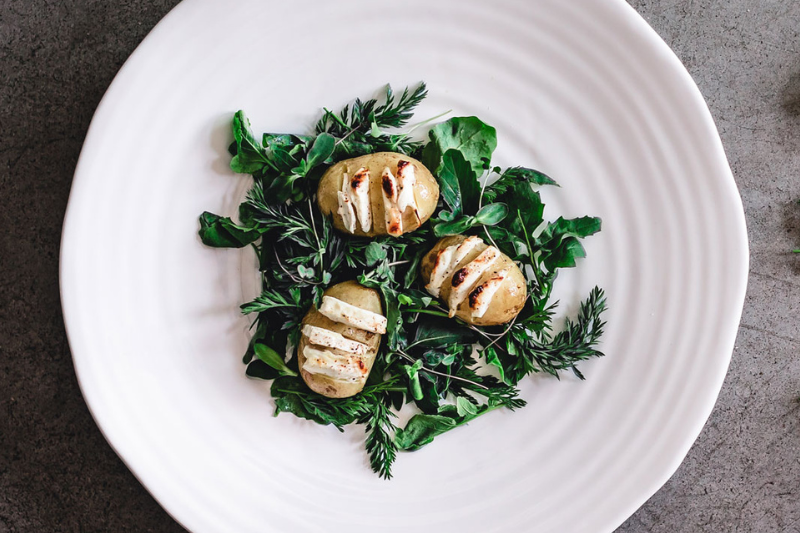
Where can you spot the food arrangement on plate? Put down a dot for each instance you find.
(400, 272)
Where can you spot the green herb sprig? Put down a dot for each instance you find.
(425, 358)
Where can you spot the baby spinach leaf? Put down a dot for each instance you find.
(220, 232)
(421, 430)
(457, 227)
(321, 150)
(472, 137)
(458, 184)
(439, 333)
(250, 155)
(464, 407)
(273, 359)
(492, 214)
(526, 207)
(258, 369)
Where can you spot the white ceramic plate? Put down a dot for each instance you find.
(583, 90)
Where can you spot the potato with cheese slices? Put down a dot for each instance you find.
(378, 194)
(340, 340)
(480, 284)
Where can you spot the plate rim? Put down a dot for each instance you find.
(647, 31)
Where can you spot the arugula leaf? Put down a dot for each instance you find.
(564, 255)
(469, 135)
(219, 232)
(559, 241)
(576, 227)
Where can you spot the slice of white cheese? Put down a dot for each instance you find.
(393, 215)
(447, 260)
(345, 313)
(346, 211)
(465, 278)
(331, 339)
(342, 367)
(359, 195)
(443, 265)
(481, 296)
(406, 182)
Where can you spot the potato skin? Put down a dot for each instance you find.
(355, 294)
(426, 191)
(508, 301)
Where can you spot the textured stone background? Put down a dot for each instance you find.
(58, 474)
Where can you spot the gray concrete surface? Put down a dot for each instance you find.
(58, 474)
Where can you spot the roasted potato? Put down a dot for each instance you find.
(327, 380)
(489, 287)
(373, 203)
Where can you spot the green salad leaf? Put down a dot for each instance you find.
(451, 372)
(470, 136)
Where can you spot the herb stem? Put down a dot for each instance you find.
(530, 250)
(426, 121)
(426, 311)
(292, 276)
(320, 249)
(500, 336)
(470, 326)
(443, 374)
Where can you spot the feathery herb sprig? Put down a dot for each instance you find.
(425, 358)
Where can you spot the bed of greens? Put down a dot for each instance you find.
(453, 372)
